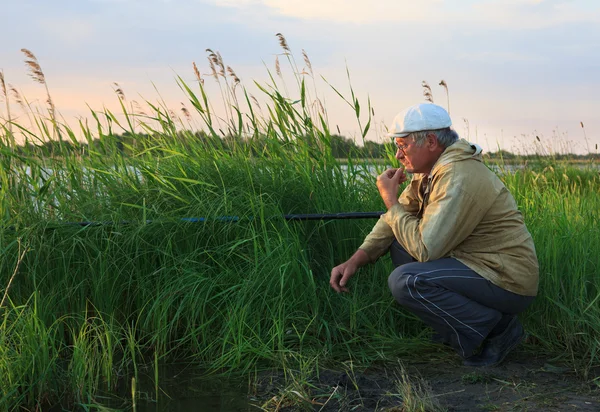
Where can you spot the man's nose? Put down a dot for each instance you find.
(399, 154)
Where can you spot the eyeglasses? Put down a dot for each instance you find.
(402, 147)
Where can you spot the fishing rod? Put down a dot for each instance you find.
(288, 217)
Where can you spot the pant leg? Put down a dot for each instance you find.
(460, 305)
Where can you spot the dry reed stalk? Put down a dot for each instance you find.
(36, 73)
(445, 86)
(119, 91)
(213, 69)
(221, 64)
(236, 81)
(22, 255)
(16, 95)
(587, 144)
(467, 127)
(6, 100)
(138, 108)
(427, 91)
(307, 61)
(320, 105)
(22, 103)
(186, 112)
(2, 83)
(287, 52)
(216, 61)
(255, 102)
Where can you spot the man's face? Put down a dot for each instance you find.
(416, 159)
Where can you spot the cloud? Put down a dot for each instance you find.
(499, 57)
(347, 11)
(534, 14)
(499, 13)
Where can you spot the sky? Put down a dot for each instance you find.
(516, 70)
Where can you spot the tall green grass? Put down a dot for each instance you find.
(91, 306)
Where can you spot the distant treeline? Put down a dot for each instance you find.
(128, 143)
(341, 147)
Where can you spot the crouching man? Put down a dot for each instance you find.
(465, 262)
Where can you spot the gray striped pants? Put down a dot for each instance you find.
(460, 305)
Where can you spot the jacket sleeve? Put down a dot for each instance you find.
(380, 238)
(450, 216)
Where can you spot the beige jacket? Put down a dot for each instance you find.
(469, 215)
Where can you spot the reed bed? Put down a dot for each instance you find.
(89, 307)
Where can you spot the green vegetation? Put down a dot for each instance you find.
(86, 309)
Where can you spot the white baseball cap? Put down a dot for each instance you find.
(423, 116)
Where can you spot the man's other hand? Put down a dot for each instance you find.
(388, 183)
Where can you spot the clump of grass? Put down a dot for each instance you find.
(415, 394)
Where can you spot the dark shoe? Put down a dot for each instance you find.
(439, 339)
(495, 349)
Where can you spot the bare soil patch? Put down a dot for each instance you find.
(524, 382)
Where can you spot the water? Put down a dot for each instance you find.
(184, 388)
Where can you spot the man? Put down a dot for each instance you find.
(465, 262)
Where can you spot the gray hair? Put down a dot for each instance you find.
(445, 137)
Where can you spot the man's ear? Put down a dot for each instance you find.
(432, 141)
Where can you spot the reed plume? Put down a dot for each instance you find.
(217, 61)
(197, 73)
(35, 70)
(277, 66)
(283, 42)
(236, 79)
